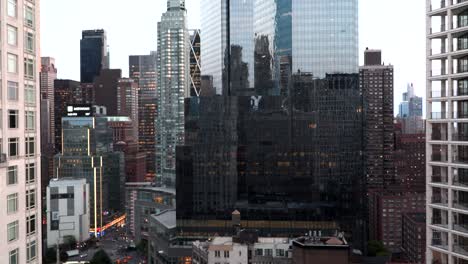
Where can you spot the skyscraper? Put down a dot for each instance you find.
(446, 132)
(142, 68)
(20, 159)
(259, 43)
(376, 83)
(94, 56)
(173, 86)
(282, 147)
(105, 90)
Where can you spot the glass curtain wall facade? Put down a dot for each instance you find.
(173, 71)
(93, 54)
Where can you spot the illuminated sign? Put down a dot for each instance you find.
(79, 110)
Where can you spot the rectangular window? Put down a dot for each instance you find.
(30, 173)
(30, 146)
(280, 252)
(29, 94)
(12, 118)
(29, 16)
(12, 91)
(14, 257)
(30, 199)
(12, 231)
(12, 66)
(30, 120)
(268, 252)
(13, 147)
(12, 203)
(226, 254)
(31, 251)
(29, 42)
(12, 177)
(11, 8)
(31, 225)
(12, 35)
(259, 252)
(29, 68)
(217, 254)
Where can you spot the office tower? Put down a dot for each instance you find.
(173, 86)
(281, 45)
(67, 205)
(105, 90)
(86, 139)
(65, 92)
(446, 131)
(143, 70)
(94, 56)
(47, 76)
(195, 67)
(127, 100)
(376, 84)
(20, 159)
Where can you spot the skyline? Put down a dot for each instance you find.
(402, 41)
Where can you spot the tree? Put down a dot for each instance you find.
(101, 257)
(70, 242)
(376, 249)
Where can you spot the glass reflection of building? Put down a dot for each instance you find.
(85, 140)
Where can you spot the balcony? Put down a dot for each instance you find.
(461, 228)
(460, 177)
(461, 249)
(460, 114)
(439, 243)
(438, 94)
(439, 200)
(460, 136)
(439, 179)
(439, 157)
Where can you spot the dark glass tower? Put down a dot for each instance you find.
(93, 54)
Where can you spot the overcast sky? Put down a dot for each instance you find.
(131, 30)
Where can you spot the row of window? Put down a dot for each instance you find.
(13, 147)
(13, 92)
(30, 119)
(29, 65)
(31, 253)
(12, 38)
(258, 252)
(12, 201)
(12, 11)
(12, 174)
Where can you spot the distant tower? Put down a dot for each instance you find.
(173, 86)
(93, 54)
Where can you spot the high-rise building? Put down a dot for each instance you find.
(195, 63)
(173, 86)
(47, 75)
(411, 105)
(446, 131)
(86, 139)
(376, 84)
(67, 205)
(105, 90)
(20, 158)
(127, 100)
(258, 44)
(94, 56)
(143, 70)
(66, 92)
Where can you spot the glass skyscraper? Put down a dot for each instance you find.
(93, 54)
(173, 86)
(260, 43)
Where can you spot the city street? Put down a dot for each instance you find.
(115, 245)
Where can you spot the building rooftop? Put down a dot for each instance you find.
(166, 218)
(143, 186)
(310, 241)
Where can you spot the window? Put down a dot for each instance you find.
(30, 145)
(217, 254)
(226, 254)
(30, 173)
(29, 16)
(12, 203)
(12, 91)
(31, 251)
(12, 118)
(13, 147)
(31, 225)
(259, 252)
(12, 177)
(29, 42)
(12, 35)
(12, 231)
(30, 199)
(29, 94)
(30, 120)
(14, 256)
(12, 66)
(28, 68)
(268, 252)
(280, 252)
(11, 8)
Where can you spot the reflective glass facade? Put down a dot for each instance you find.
(93, 54)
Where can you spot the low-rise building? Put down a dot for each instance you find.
(316, 249)
(67, 210)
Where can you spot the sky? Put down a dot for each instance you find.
(132, 30)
